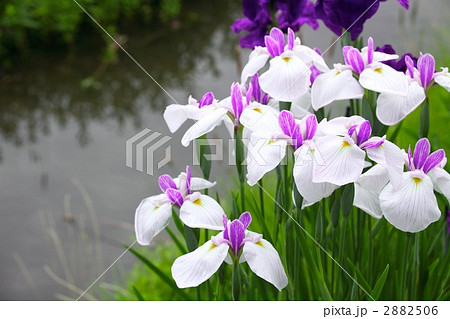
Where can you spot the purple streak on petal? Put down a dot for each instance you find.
(404, 3)
(355, 59)
(287, 122)
(315, 72)
(206, 99)
(245, 219)
(165, 182)
(364, 132)
(370, 144)
(174, 196)
(265, 99)
(254, 82)
(311, 126)
(370, 51)
(291, 39)
(410, 66)
(426, 65)
(278, 36)
(237, 235)
(236, 101)
(433, 160)
(272, 46)
(188, 180)
(410, 168)
(352, 130)
(226, 231)
(421, 152)
(296, 137)
(249, 94)
(345, 53)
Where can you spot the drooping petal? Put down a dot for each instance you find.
(264, 154)
(382, 78)
(368, 188)
(441, 181)
(391, 157)
(443, 80)
(394, 107)
(303, 176)
(287, 78)
(256, 61)
(198, 183)
(413, 206)
(175, 115)
(192, 269)
(204, 125)
(151, 219)
(265, 262)
(203, 212)
(343, 160)
(334, 86)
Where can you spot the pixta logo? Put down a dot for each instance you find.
(141, 148)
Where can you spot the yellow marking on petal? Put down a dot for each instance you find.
(212, 246)
(345, 144)
(155, 208)
(417, 180)
(287, 59)
(257, 110)
(379, 70)
(259, 243)
(198, 201)
(337, 73)
(271, 141)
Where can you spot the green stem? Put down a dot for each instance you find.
(407, 253)
(236, 278)
(261, 197)
(424, 119)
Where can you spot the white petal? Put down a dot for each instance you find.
(391, 157)
(192, 269)
(334, 86)
(151, 219)
(301, 106)
(382, 78)
(444, 81)
(368, 188)
(287, 78)
(204, 125)
(198, 183)
(265, 262)
(393, 107)
(343, 161)
(380, 56)
(311, 57)
(338, 125)
(256, 61)
(441, 181)
(264, 154)
(303, 174)
(261, 118)
(204, 212)
(413, 206)
(175, 115)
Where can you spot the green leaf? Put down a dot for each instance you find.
(177, 242)
(285, 105)
(347, 199)
(138, 294)
(191, 236)
(178, 223)
(379, 285)
(335, 211)
(203, 149)
(160, 274)
(424, 119)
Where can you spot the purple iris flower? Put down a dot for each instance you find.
(422, 159)
(400, 64)
(292, 129)
(348, 14)
(258, 18)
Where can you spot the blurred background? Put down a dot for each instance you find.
(70, 98)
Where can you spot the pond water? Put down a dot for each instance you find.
(67, 199)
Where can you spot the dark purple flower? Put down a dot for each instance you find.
(400, 64)
(294, 13)
(348, 14)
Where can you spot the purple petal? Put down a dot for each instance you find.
(245, 219)
(188, 179)
(355, 59)
(291, 39)
(345, 53)
(278, 36)
(206, 99)
(296, 137)
(175, 196)
(315, 72)
(372, 143)
(272, 46)
(225, 227)
(421, 152)
(248, 94)
(237, 235)
(254, 82)
(404, 3)
(426, 65)
(433, 160)
(410, 66)
(311, 126)
(370, 51)
(236, 100)
(165, 182)
(265, 99)
(287, 122)
(352, 130)
(364, 132)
